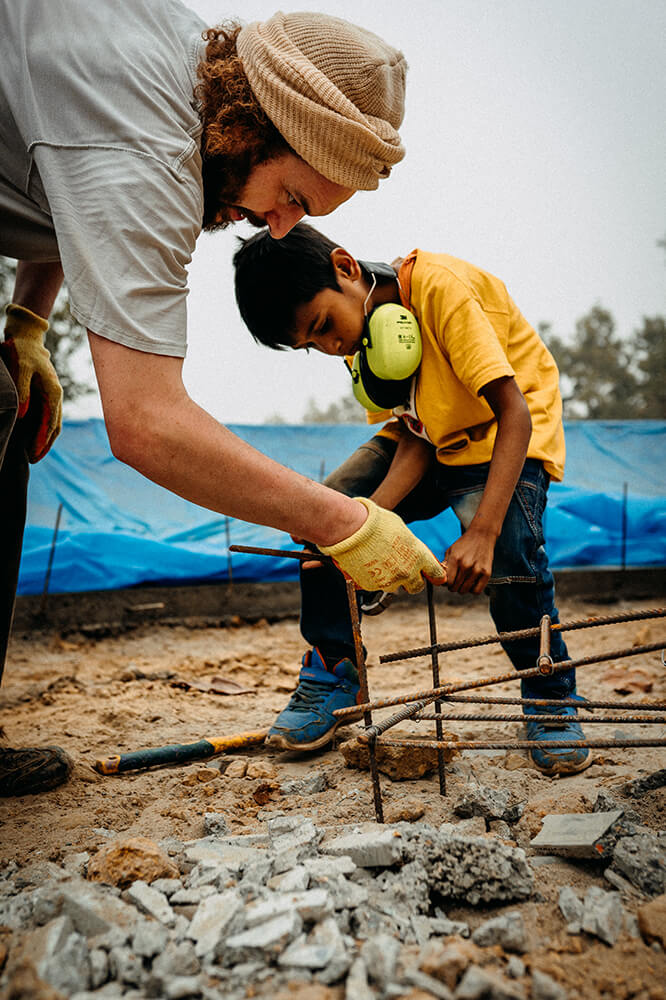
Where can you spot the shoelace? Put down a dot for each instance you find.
(308, 694)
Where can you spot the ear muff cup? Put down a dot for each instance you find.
(391, 352)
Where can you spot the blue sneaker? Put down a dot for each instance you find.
(549, 760)
(307, 722)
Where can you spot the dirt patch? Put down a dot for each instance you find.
(96, 698)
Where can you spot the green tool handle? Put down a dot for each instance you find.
(177, 753)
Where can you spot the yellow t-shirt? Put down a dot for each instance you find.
(473, 333)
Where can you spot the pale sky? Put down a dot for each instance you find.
(536, 149)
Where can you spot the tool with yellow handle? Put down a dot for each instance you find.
(178, 753)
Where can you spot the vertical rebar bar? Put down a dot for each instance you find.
(227, 530)
(545, 660)
(363, 680)
(432, 622)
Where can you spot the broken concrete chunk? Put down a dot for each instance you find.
(482, 984)
(212, 919)
(427, 984)
(477, 869)
(575, 834)
(378, 848)
(60, 956)
(491, 803)
(324, 868)
(380, 954)
(603, 915)
(545, 988)
(295, 880)
(177, 959)
(266, 940)
(642, 860)
(99, 967)
(168, 886)
(150, 938)
(639, 786)
(215, 825)
(94, 909)
(152, 902)
(310, 785)
(311, 905)
(571, 907)
(515, 967)
(508, 931)
(356, 987)
(125, 965)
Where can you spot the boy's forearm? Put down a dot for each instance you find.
(37, 285)
(410, 462)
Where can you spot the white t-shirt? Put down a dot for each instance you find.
(99, 157)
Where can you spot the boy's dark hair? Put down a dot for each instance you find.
(274, 277)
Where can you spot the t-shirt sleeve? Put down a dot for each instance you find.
(126, 226)
(470, 340)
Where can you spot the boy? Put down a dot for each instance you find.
(480, 431)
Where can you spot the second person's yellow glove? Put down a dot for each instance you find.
(384, 554)
(33, 374)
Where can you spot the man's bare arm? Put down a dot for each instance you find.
(154, 426)
(37, 285)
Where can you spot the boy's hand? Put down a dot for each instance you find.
(384, 554)
(33, 374)
(469, 561)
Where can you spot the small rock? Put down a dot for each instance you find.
(128, 859)
(477, 869)
(639, 786)
(515, 967)
(545, 988)
(150, 938)
(380, 954)
(478, 983)
(508, 931)
(152, 902)
(99, 967)
(295, 880)
(260, 769)
(215, 825)
(182, 988)
(603, 915)
(399, 763)
(356, 987)
(168, 886)
(125, 965)
(406, 810)
(446, 962)
(312, 784)
(212, 919)
(491, 803)
(641, 859)
(430, 987)
(177, 959)
(570, 905)
(652, 920)
(266, 940)
(379, 848)
(236, 769)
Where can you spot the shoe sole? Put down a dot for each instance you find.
(564, 767)
(279, 742)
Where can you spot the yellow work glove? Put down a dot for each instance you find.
(384, 554)
(33, 374)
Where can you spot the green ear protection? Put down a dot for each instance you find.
(390, 353)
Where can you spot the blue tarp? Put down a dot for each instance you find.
(117, 529)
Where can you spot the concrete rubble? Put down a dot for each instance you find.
(364, 907)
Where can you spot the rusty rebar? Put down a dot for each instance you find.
(545, 660)
(402, 716)
(587, 704)
(432, 623)
(363, 683)
(526, 633)
(526, 744)
(515, 675)
(658, 720)
(281, 554)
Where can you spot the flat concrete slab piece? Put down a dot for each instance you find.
(574, 834)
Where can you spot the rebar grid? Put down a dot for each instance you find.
(526, 633)
(587, 703)
(416, 703)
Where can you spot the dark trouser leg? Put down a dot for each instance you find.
(13, 492)
(521, 589)
(325, 620)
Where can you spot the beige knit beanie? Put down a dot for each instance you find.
(334, 91)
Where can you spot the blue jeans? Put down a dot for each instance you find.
(521, 588)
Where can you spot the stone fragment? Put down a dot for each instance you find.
(641, 859)
(328, 933)
(68, 968)
(128, 859)
(95, 910)
(571, 907)
(377, 848)
(406, 810)
(312, 784)
(380, 954)
(475, 826)
(508, 931)
(515, 967)
(267, 940)
(575, 834)
(491, 803)
(482, 984)
(446, 961)
(652, 920)
(311, 905)
(191, 897)
(182, 988)
(237, 768)
(281, 824)
(177, 959)
(215, 825)
(477, 869)
(639, 786)
(150, 938)
(77, 863)
(125, 965)
(603, 915)
(99, 967)
(546, 988)
(324, 868)
(212, 919)
(260, 769)
(152, 902)
(346, 895)
(429, 986)
(169, 886)
(212, 852)
(446, 927)
(315, 951)
(399, 763)
(356, 987)
(295, 880)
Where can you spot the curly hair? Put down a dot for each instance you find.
(237, 135)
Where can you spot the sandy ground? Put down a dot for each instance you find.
(96, 698)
